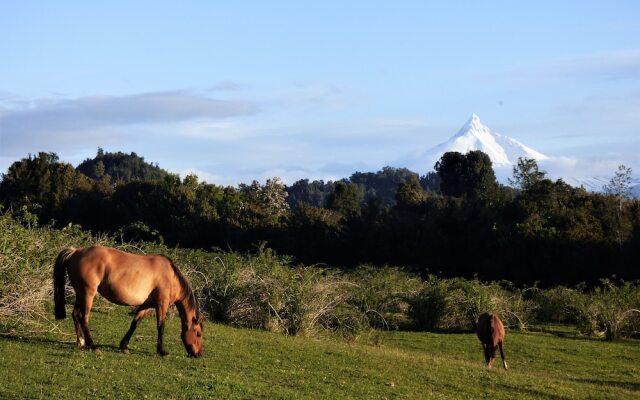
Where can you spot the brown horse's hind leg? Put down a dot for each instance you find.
(82, 311)
(141, 312)
(77, 318)
(161, 314)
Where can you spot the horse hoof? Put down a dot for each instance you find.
(96, 350)
(125, 351)
(163, 353)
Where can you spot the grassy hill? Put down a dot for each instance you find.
(244, 363)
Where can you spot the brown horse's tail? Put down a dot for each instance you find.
(59, 278)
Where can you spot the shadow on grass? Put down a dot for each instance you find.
(72, 346)
(12, 337)
(634, 386)
(564, 333)
(532, 392)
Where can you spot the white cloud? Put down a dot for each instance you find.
(203, 176)
(208, 130)
(576, 168)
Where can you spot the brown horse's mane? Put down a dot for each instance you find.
(189, 295)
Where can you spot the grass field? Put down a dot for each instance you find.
(241, 363)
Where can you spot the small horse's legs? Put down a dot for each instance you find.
(487, 354)
(141, 312)
(504, 362)
(161, 314)
(492, 355)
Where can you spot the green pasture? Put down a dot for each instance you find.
(553, 363)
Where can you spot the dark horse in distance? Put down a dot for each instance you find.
(146, 281)
(491, 334)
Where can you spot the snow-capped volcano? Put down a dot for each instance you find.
(503, 150)
(504, 153)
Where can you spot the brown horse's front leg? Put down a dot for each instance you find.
(492, 356)
(141, 312)
(487, 354)
(161, 314)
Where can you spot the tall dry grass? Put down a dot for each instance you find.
(26, 260)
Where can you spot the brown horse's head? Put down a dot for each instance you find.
(192, 337)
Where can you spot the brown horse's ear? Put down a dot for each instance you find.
(197, 321)
(200, 319)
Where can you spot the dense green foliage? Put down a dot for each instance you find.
(118, 168)
(545, 231)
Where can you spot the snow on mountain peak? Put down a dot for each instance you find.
(472, 122)
(474, 135)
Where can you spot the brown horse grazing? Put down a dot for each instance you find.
(491, 334)
(148, 282)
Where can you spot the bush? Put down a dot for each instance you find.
(556, 305)
(428, 307)
(382, 295)
(263, 291)
(456, 304)
(611, 310)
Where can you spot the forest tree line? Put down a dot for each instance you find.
(455, 221)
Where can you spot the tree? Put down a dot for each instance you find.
(620, 185)
(480, 180)
(119, 168)
(526, 173)
(451, 169)
(345, 199)
(264, 205)
(42, 183)
(430, 182)
(382, 184)
(469, 175)
(314, 193)
(410, 193)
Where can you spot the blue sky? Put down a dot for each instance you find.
(236, 91)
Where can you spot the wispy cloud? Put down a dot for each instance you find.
(616, 106)
(613, 65)
(53, 120)
(308, 96)
(226, 86)
(209, 130)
